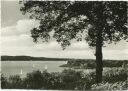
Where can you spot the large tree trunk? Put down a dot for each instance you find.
(99, 63)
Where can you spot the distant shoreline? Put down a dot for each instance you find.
(30, 58)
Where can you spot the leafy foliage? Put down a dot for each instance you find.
(34, 80)
(115, 74)
(97, 22)
(4, 83)
(70, 79)
(71, 19)
(90, 64)
(113, 78)
(111, 86)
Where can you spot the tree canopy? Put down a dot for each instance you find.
(80, 20)
(97, 22)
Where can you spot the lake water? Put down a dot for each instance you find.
(23, 67)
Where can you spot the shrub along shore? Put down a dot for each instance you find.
(91, 64)
(68, 79)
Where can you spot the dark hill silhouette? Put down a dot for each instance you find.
(29, 58)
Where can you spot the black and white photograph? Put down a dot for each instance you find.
(64, 45)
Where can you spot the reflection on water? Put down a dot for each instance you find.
(24, 67)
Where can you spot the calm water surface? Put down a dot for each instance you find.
(23, 67)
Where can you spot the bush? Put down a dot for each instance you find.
(113, 78)
(70, 79)
(15, 82)
(113, 75)
(91, 64)
(4, 82)
(34, 80)
(111, 86)
(51, 80)
(54, 81)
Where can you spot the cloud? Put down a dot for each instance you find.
(9, 31)
(16, 40)
(126, 51)
(54, 46)
(114, 54)
(22, 40)
(22, 27)
(18, 35)
(51, 46)
(82, 45)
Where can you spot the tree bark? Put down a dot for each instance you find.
(99, 57)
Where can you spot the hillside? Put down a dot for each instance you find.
(29, 58)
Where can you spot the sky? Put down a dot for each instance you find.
(16, 40)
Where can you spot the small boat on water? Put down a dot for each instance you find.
(66, 62)
(33, 65)
(21, 72)
(46, 67)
